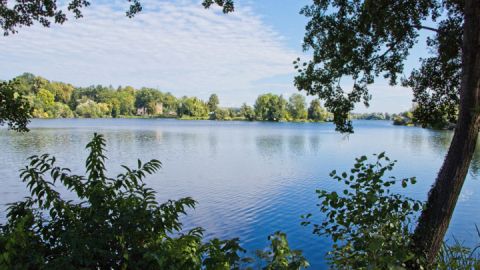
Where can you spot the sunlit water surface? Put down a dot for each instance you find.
(250, 179)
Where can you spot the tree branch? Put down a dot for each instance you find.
(426, 28)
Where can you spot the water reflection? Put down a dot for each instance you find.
(314, 143)
(212, 141)
(269, 146)
(296, 144)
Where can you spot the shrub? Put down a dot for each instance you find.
(220, 114)
(91, 109)
(368, 224)
(280, 256)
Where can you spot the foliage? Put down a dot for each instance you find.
(366, 39)
(247, 112)
(220, 114)
(316, 112)
(91, 109)
(60, 110)
(280, 256)
(170, 103)
(62, 92)
(48, 98)
(147, 98)
(21, 13)
(192, 106)
(270, 107)
(436, 83)
(14, 108)
(42, 102)
(297, 107)
(212, 103)
(368, 224)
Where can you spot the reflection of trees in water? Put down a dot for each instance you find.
(475, 165)
(439, 142)
(270, 145)
(213, 142)
(296, 144)
(314, 143)
(414, 140)
(187, 139)
(38, 140)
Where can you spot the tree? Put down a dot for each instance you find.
(90, 109)
(63, 92)
(14, 109)
(126, 98)
(270, 107)
(170, 103)
(316, 112)
(147, 98)
(366, 39)
(213, 103)
(247, 112)
(60, 110)
(367, 221)
(220, 114)
(297, 107)
(193, 107)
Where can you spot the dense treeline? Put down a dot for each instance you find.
(62, 100)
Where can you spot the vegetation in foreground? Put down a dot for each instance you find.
(117, 223)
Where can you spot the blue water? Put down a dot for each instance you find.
(250, 178)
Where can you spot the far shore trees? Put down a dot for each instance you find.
(297, 107)
(49, 99)
(316, 112)
(213, 103)
(270, 107)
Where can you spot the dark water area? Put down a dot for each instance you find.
(250, 178)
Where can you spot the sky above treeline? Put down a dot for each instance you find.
(177, 46)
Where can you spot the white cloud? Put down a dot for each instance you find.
(178, 47)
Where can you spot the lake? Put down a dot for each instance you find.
(250, 178)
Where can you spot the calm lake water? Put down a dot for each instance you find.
(250, 179)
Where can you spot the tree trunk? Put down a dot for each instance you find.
(434, 220)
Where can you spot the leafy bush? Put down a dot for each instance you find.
(91, 109)
(220, 114)
(368, 224)
(113, 223)
(280, 256)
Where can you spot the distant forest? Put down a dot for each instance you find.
(50, 99)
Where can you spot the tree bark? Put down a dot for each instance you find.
(433, 222)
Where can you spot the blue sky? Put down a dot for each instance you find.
(178, 46)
